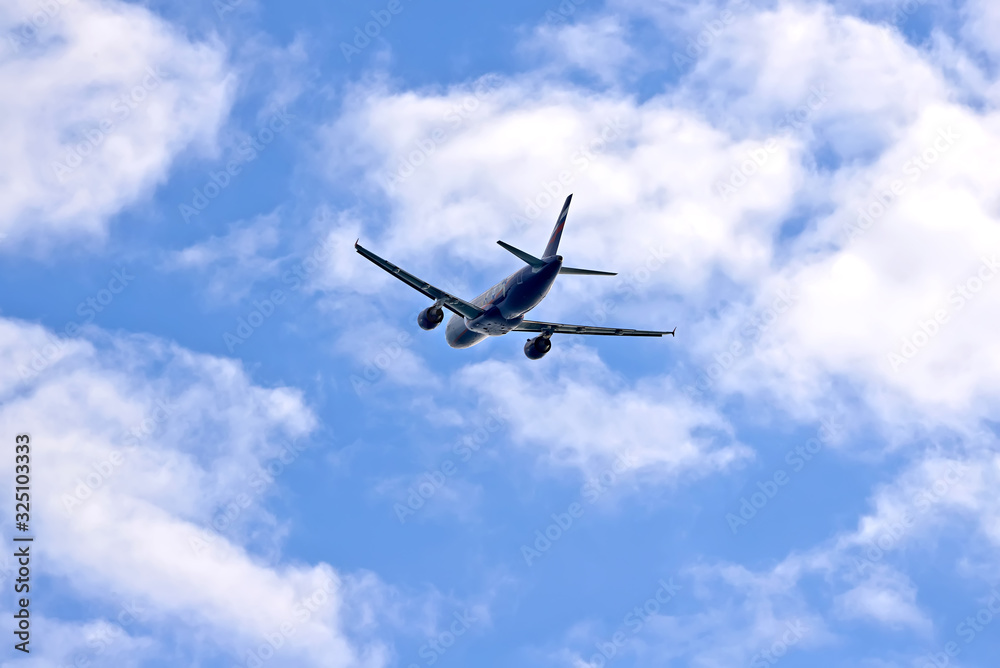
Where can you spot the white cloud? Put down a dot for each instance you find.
(379, 351)
(235, 261)
(100, 98)
(859, 569)
(938, 491)
(600, 46)
(901, 297)
(737, 618)
(584, 415)
(750, 77)
(645, 177)
(138, 447)
(888, 598)
(982, 21)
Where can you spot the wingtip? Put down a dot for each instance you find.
(674, 333)
(358, 242)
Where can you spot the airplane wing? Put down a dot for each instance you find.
(556, 328)
(451, 302)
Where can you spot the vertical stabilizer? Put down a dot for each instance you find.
(553, 247)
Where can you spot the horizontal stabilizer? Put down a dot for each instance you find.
(527, 257)
(585, 272)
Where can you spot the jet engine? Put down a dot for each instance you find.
(536, 348)
(430, 317)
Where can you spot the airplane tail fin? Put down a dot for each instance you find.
(553, 245)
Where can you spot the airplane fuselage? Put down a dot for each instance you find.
(504, 305)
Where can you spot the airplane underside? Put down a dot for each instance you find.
(460, 336)
(462, 333)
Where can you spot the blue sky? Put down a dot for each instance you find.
(248, 454)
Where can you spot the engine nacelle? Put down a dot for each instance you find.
(536, 348)
(430, 317)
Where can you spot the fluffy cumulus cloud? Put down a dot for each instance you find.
(894, 280)
(497, 157)
(583, 415)
(147, 468)
(100, 98)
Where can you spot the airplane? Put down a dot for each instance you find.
(501, 309)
